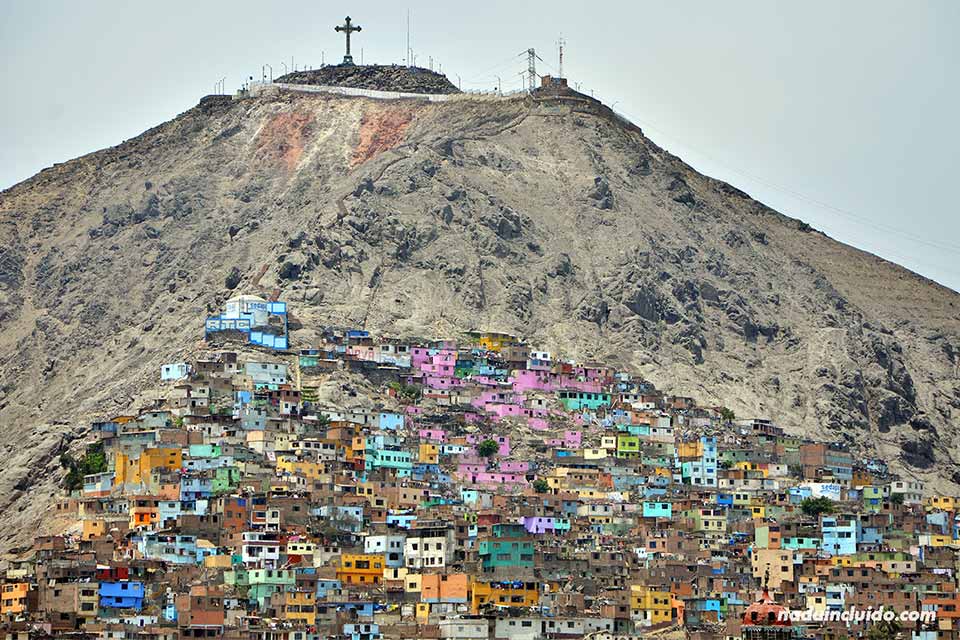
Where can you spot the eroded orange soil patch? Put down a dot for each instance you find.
(282, 139)
(381, 129)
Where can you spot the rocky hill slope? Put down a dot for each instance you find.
(545, 217)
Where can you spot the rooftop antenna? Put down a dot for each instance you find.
(560, 44)
(409, 63)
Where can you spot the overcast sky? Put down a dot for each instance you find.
(843, 114)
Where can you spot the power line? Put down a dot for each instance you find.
(485, 74)
(944, 246)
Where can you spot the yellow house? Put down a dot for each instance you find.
(504, 594)
(943, 503)
(589, 493)
(492, 340)
(746, 465)
(218, 562)
(423, 612)
(304, 468)
(412, 582)
(299, 606)
(608, 442)
(816, 601)
(429, 453)
(128, 470)
(594, 454)
(935, 540)
(557, 479)
(690, 449)
(649, 606)
(361, 568)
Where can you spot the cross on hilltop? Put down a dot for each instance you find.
(347, 28)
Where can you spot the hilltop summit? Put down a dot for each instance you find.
(372, 76)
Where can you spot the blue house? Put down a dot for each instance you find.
(195, 487)
(121, 595)
(839, 535)
(391, 421)
(326, 586)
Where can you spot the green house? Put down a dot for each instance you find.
(225, 480)
(509, 548)
(628, 446)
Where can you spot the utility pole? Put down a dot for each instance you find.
(409, 62)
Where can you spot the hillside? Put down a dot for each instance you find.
(546, 217)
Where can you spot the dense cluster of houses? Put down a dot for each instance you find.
(467, 489)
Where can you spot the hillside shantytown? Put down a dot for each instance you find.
(472, 487)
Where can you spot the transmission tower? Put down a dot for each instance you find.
(532, 58)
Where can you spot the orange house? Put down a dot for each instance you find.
(435, 587)
(14, 599)
(144, 512)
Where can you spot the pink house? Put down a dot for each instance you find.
(442, 382)
(524, 380)
(494, 478)
(514, 466)
(466, 469)
(572, 439)
(432, 435)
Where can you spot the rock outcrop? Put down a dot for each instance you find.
(380, 77)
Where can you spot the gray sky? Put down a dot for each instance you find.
(843, 114)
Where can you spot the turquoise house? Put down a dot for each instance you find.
(657, 510)
(580, 400)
